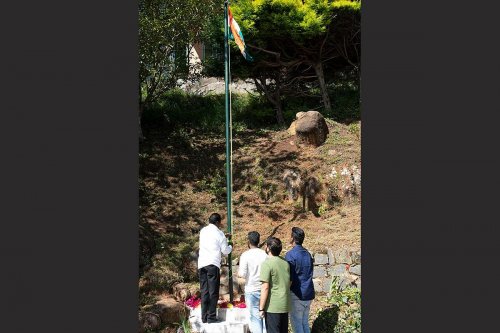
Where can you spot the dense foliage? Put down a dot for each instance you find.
(167, 31)
(298, 46)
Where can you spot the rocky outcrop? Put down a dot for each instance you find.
(310, 128)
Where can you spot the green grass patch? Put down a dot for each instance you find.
(177, 108)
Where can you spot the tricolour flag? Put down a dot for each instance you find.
(237, 36)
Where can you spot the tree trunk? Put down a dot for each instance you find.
(273, 97)
(318, 68)
(279, 109)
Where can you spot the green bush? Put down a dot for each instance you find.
(344, 313)
(346, 105)
(207, 112)
(178, 108)
(326, 320)
(252, 110)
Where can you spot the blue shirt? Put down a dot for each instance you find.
(301, 272)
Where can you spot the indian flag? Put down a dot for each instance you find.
(237, 36)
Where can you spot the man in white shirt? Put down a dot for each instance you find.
(213, 242)
(249, 269)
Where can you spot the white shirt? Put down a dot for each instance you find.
(250, 262)
(212, 243)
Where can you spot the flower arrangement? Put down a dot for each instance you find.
(195, 302)
(228, 305)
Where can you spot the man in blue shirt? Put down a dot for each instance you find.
(302, 288)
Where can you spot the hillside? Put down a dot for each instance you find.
(182, 181)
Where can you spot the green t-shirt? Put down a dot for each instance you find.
(276, 271)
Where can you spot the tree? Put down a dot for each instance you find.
(293, 41)
(167, 31)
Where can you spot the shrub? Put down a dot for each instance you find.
(344, 313)
(215, 185)
(176, 107)
(170, 264)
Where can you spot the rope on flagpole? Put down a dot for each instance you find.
(229, 161)
(230, 130)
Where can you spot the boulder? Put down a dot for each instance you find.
(291, 129)
(148, 321)
(167, 309)
(311, 128)
(182, 291)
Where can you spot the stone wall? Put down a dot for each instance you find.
(346, 264)
(343, 263)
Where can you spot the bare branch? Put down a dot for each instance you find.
(272, 234)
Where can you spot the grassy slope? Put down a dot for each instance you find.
(182, 181)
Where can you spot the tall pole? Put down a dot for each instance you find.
(228, 143)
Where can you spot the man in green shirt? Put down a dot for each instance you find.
(275, 290)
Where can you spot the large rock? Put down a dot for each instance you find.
(320, 259)
(182, 291)
(148, 321)
(238, 283)
(311, 128)
(319, 271)
(168, 309)
(347, 280)
(291, 129)
(337, 270)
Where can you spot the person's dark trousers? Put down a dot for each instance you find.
(209, 289)
(276, 322)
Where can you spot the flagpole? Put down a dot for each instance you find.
(228, 143)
